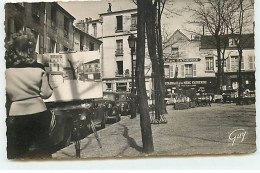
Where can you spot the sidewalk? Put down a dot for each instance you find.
(195, 131)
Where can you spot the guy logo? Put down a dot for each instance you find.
(237, 134)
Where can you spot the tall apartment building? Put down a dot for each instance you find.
(50, 23)
(117, 26)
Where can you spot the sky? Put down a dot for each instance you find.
(92, 8)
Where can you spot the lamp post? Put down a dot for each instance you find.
(131, 42)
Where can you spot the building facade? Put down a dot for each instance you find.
(85, 42)
(184, 67)
(231, 61)
(51, 25)
(116, 62)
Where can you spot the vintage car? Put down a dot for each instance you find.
(248, 97)
(123, 101)
(229, 96)
(110, 108)
(203, 99)
(169, 98)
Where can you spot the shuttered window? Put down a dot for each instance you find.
(182, 70)
(171, 71)
(194, 70)
(228, 63)
(251, 61)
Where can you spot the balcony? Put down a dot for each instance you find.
(119, 52)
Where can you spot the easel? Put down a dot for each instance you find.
(77, 141)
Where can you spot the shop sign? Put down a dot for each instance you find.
(183, 60)
(187, 83)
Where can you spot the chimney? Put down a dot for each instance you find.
(109, 10)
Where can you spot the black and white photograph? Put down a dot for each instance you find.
(129, 79)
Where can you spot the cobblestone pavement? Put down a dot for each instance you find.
(219, 129)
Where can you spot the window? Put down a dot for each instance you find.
(91, 46)
(119, 67)
(94, 25)
(119, 47)
(53, 17)
(175, 51)
(231, 42)
(66, 27)
(167, 71)
(53, 46)
(209, 64)
(133, 22)
(121, 86)
(234, 63)
(171, 72)
(109, 86)
(119, 20)
(251, 60)
(188, 70)
(36, 11)
(81, 43)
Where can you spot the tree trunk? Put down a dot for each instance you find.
(151, 41)
(161, 62)
(240, 87)
(145, 123)
(219, 79)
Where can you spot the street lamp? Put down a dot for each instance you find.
(131, 42)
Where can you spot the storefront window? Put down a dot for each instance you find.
(121, 86)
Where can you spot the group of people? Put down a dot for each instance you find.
(28, 120)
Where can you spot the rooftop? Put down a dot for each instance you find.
(118, 12)
(209, 42)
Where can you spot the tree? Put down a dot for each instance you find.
(237, 17)
(145, 124)
(209, 14)
(154, 40)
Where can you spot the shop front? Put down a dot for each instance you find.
(181, 85)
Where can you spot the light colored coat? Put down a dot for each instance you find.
(26, 87)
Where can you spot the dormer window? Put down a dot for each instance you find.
(231, 42)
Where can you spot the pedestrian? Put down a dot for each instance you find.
(28, 120)
(174, 102)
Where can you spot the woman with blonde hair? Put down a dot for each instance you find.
(26, 86)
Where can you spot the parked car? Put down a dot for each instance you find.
(169, 98)
(249, 97)
(110, 108)
(122, 99)
(229, 96)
